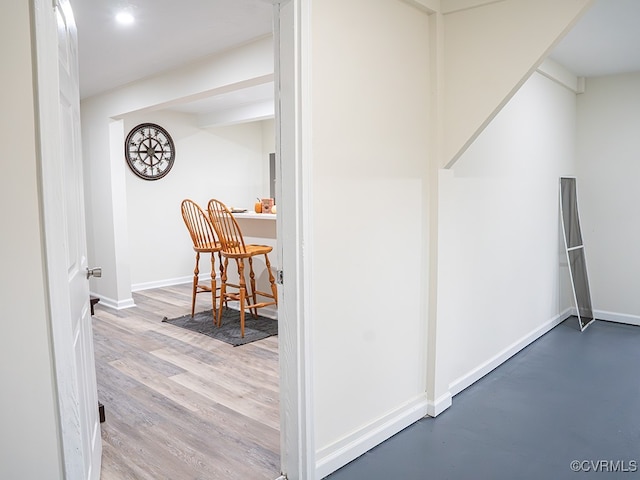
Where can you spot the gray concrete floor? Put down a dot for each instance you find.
(568, 397)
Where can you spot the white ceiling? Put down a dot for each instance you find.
(171, 33)
(605, 41)
(165, 35)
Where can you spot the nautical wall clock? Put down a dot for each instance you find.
(149, 151)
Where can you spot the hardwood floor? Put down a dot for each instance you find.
(180, 405)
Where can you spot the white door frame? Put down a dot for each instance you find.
(293, 154)
(291, 19)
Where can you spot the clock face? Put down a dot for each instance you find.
(149, 151)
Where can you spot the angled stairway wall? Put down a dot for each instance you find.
(490, 49)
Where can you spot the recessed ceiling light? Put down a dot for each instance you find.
(124, 18)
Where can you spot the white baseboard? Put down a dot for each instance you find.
(128, 303)
(439, 405)
(477, 373)
(338, 454)
(269, 312)
(168, 282)
(115, 304)
(617, 317)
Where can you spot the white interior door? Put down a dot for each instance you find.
(64, 224)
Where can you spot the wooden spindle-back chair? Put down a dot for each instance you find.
(204, 241)
(234, 247)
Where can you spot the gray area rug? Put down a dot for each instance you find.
(229, 332)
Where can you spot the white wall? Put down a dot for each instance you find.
(370, 96)
(268, 146)
(29, 438)
(226, 163)
(268, 137)
(608, 195)
(105, 172)
(503, 277)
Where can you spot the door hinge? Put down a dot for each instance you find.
(279, 277)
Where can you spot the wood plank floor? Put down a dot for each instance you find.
(180, 405)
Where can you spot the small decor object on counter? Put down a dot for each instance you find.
(257, 207)
(267, 205)
(273, 209)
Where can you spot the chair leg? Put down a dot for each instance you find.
(272, 280)
(194, 291)
(242, 293)
(222, 270)
(213, 287)
(252, 279)
(223, 290)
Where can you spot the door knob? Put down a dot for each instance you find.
(94, 272)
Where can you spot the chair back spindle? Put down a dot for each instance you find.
(199, 226)
(226, 227)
